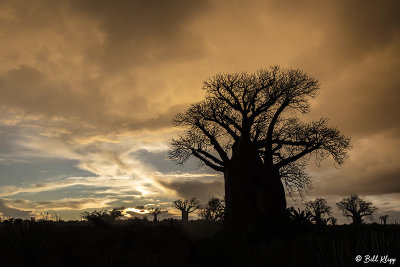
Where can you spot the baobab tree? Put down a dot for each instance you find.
(318, 208)
(246, 128)
(186, 207)
(154, 212)
(356, 208)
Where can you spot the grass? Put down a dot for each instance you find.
(171, 243)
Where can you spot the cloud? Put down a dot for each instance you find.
(106, 186)
(7, 211)
(199, 189)
(71, 114)
(98, 83)
(371, 169)
(61, 204)
(137, 32)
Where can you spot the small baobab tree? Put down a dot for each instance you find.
(384, 219)
(356, 208)
(186, 207)
(318, 208)
(154, 212)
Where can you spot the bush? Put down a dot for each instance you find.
(102, 217)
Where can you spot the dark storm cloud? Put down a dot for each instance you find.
(201, 190)
(28, 88)
(80, 60)
(378, 181)
(356, 57)
(114, 54)
(351, 29)
(372, 169)
(136, 32)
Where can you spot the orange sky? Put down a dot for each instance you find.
(88, 90)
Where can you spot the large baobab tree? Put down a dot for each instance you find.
(356, 208)
(186, 207)
(246, 128)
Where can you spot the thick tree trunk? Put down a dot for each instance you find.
(357, 219)
(252, 192)
(240, 185)
(271, 199)
(185, 216)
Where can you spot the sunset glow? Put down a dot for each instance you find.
(134, 210)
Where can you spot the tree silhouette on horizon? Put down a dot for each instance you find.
(186, 207)
(246, 128)
(154, 212)
(356, 208)
(318, 208)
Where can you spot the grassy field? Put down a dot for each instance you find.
(196, 243)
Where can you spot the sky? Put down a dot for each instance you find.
(88, 90)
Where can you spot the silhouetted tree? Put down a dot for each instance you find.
(318, 209)
(186, 207)
(154, 212)
(356, 208)
(299, 216)
(383, 219)
(103, 216)
(214, 210)
(245, 128)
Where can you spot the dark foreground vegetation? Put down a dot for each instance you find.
(195, 243)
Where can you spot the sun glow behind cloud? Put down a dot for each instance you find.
(120, 175)
(128, 212)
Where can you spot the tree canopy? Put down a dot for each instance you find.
(258, 109)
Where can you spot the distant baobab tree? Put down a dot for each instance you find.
(318, 208)
(186, 207)
(246, 128)
(384, 219)
(356, 208)
(154, 212)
